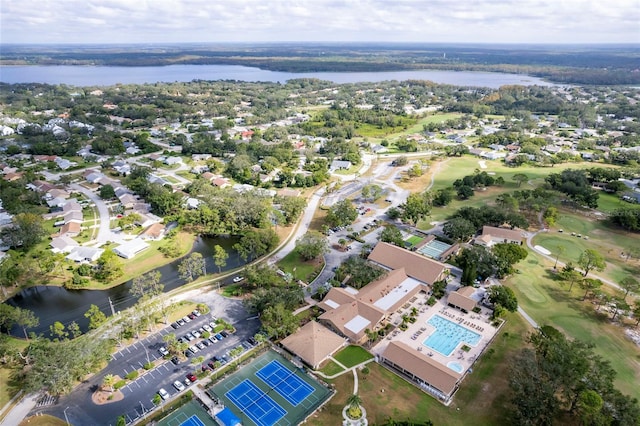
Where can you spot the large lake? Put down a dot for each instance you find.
(107, 76)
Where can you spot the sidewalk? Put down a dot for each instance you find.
(20, 410)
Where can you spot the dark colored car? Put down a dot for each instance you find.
(224, 333)
(175, 360)
(175, 325)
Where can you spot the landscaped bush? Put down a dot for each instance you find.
(119, 384)
(132, 375)
(476, 310)
(148, 366)
(431, 301)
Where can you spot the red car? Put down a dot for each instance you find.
(192, 377)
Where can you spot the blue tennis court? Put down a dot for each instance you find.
(263, 410)
(192, 421)
(285, 382)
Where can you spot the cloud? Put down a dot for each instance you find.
(104, 21)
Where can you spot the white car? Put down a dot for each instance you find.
(238, 279)
(163, 394)
(163, 351)
(178, 385)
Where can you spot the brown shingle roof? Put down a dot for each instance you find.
(313, 343)
(421, 366)
(462, 298)
(416, 266)
(502, 233)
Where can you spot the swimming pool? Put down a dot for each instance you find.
(448, 336)
(455, 366)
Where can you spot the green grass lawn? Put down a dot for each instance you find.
(414, 239)
(610, 202)
(8, 389)
(548, 302)
(352, 355)
(331, 368)
(609, 242)
(303, 269)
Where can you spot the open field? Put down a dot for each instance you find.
(609, 242)
(548, 302)
(44, 420)
(480, 401)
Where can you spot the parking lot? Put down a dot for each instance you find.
(140, 392)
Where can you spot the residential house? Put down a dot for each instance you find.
(71, 229)
(63, 244)
(131, 248)
(340, 165)
(491, 235)
(85, 254)
(153, 232)
(73, 216)
(128, 200)
(170, 161)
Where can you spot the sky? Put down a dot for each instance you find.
(424, 21)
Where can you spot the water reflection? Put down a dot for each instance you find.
(52, 304)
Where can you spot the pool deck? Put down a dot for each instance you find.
(420, 330)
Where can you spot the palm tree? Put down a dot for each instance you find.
(108, 382)
(354, 401)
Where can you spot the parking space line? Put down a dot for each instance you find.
(145, 379)
(138, 384)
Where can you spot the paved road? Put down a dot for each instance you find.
(139, 393)
(104, 231)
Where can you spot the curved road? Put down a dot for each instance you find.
(104, 231)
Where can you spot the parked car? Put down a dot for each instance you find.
(192, 377)
(196, 312)
(175, 360)
(180, 322)
(186, 319)
(219, 336)
(224, 333)
(213, 339)
(196, 334)
(207, 327)
(206, 342)
(163, 351)
(191, 316)
(193, 350)
(178, 385)
(189, 336)
(238, 279)
(163, 394)
(200, 345)
(175, 325)
(212, 324)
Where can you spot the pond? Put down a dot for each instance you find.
(52, 304)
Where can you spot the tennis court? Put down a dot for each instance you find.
(285, 382)
(263, 410)
(190, 414)
(267, 393)
(434, 249)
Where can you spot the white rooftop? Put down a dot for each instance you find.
(350, 290)
(332, 303)
(357, 324)
(391, 298)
